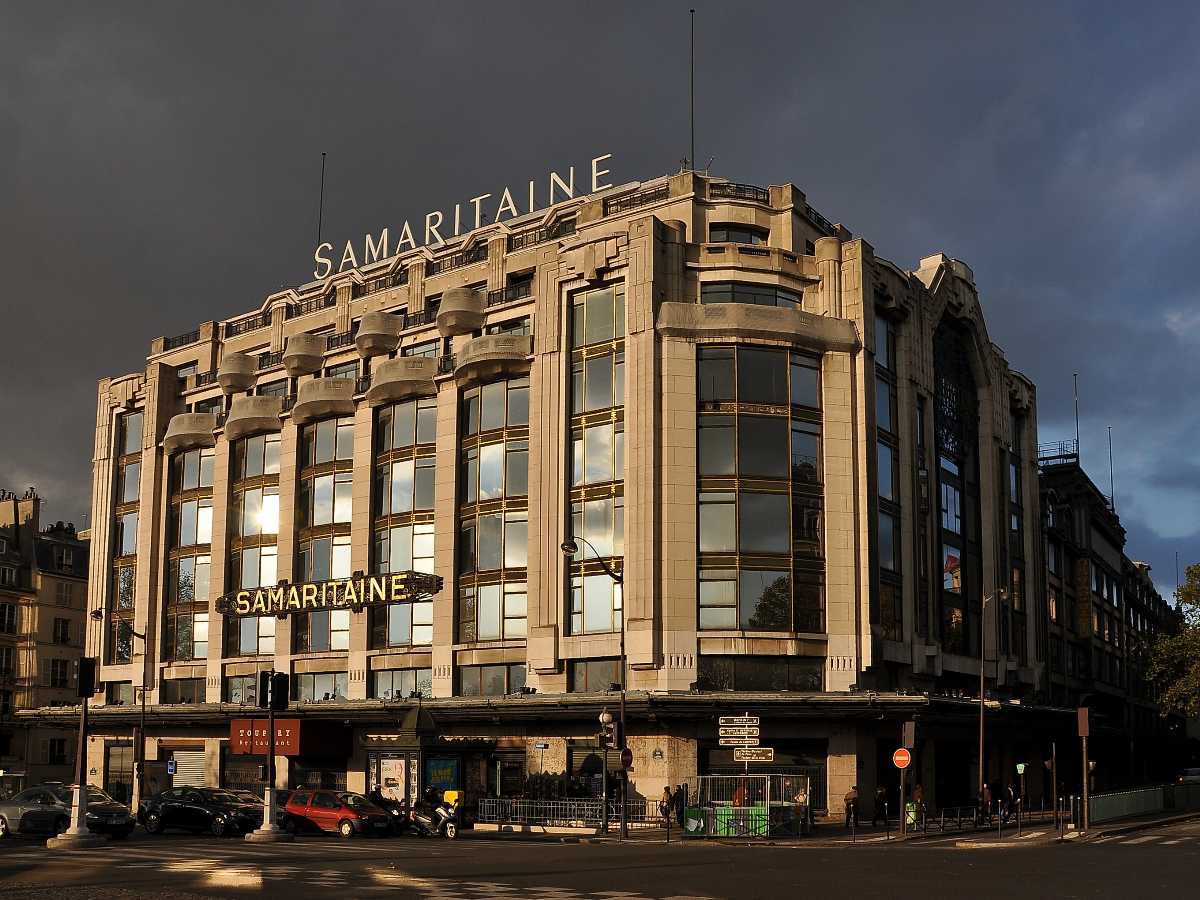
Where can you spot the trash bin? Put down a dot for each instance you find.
(695, 821)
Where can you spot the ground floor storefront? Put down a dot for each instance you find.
(548, 747)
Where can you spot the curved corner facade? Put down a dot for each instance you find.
(808, 465)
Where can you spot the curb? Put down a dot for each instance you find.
(991, 845)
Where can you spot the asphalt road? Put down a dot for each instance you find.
(1158, 862)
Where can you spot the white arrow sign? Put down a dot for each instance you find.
(738, 720)
(739, 731)
(739, 742)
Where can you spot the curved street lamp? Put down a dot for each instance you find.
(139, 754)
(569, 548)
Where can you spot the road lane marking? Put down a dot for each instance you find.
(1141, 840)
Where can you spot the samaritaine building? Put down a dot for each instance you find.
(808, 467)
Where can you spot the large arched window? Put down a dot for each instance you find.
(956, 423)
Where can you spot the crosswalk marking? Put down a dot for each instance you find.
(1140, 840)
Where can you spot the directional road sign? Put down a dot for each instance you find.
(739, 742)
(754, 754)
(739, 731)
(738, 720)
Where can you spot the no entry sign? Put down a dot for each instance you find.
(901, 758)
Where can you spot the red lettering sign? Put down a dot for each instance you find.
(252, 736)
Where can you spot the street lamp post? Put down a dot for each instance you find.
(569, 548)
(139, 751)
(982, 657)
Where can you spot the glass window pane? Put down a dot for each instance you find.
(206, 468)
(325, 434)
(577, 472)
(271, 455)
(718, 530)
(887, 486)
(763, 446)
(805, 387)
(254, 455)
(490, 541)
(423, 483)
(340, 563)
(762, 376)
(598, 316)
(492, 681)
(597, 375)
(399, 623)
(888, 537)
(267, 563)
(518, 402)
(883, 406)
(598, 453)
(766, 600)
(491, 471)
(763, 523)
(597, 525)
(250, 568)
(716, 445)
(426, 420)
(187, 524)
(597, 603)
(402, 487)
(516, 537)
(806, 452)
(204, 514)
(491, 405)
(715, 373)
(345, 439)
(128, 530)
(131, 432)
(516, 475)
(423, 548)
(191, 469)
(342, 498)
(268, 520)
(470, 412)
(401, 549)
(951, 569)
(252, 512)
(489, 612)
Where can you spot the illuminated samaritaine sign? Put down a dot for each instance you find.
(486, 209)
(339, 593)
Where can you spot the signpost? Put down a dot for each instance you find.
(1084, 729)
(742, 732)
(754, 754)
(901, 760)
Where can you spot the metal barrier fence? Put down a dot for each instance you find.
(750, 806)
(1114, 805)
(640, 813)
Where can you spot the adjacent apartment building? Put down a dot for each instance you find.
(811, 471)
(43, 596)
(1102, 609)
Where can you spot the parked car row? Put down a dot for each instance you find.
(46, 809)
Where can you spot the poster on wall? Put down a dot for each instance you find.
(441, 773)
(392, 778)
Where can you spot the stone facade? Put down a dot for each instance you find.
(797, 285)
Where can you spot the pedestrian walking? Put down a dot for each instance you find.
(879, 813)
(666, 806)
(985, 803)
(851, 801)
(919, 804)
(680, 803)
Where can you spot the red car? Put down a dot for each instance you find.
(347, 814)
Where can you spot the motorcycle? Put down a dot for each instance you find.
(437, 820)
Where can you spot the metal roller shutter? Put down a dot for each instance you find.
(189, 768)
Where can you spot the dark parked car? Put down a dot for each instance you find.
(46, 809)
(340, 811)
(198, 810)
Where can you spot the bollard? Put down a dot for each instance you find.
(887, 823)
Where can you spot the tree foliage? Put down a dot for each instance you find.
(1173, 658)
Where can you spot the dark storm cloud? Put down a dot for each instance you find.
(158, 167)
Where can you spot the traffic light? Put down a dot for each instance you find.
(608, 732)
(279, 691)
(264, 690)
(86, 682)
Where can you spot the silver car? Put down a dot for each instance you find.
(35, 810)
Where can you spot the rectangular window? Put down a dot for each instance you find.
(182, 690)
(887, 467)
(885, 343)
(119, 693)
(318, 687)
(595, 604)
(885, 405)
(951, 569)
(327, 441)
(126, 537)
(131, 476)
(491, 681)
(60, 673)
(889, 542)
(131, 433)
(62, 631)
(951, 508)
(593, 676)
(401, 684)
(256, 456)
(718, 599)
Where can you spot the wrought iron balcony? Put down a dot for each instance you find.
(734, 191)
(270, 360)
(379, 284)
(181, 340)
(241, 326)
(532, 236)
(632, 201)
(513, 292)
(476, 254)
(309, 306)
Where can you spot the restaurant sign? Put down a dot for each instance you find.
(253, 736)
(338, 593)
